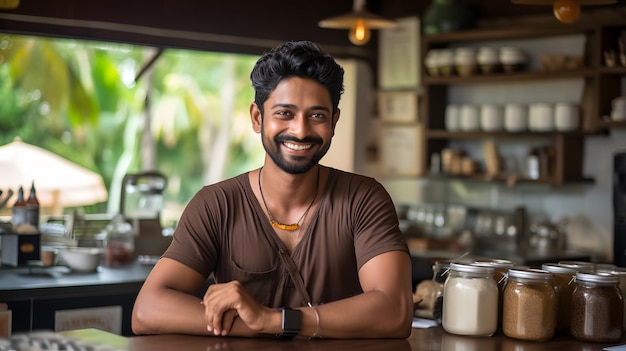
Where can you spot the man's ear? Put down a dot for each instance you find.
(256, 117)
(335, 119)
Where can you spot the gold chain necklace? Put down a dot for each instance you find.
(294, 226)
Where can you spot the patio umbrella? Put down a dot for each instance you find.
(58, 181)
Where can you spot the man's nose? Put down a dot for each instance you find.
(300, 126)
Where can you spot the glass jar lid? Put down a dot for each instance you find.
(529, 273)
(579, 265)
(471, 268)
(600, 278)
(558, 268)
(495, 263)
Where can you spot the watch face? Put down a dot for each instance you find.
(291, 323)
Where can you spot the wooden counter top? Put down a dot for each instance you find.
(431, 339)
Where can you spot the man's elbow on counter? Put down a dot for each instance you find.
(138, 321)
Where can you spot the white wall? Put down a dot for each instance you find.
(347, 151)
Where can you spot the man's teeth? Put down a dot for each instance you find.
(297, 147)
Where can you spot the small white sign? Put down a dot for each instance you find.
(401, 150)
(399, 55)
(397, 106)
(103, 318)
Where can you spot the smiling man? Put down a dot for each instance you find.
(295, 248)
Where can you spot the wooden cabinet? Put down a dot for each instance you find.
(600, 84)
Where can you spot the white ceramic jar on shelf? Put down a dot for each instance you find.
(452, 118)
(491, 118)
(515, 118)
(469, 119)
(566, 117)
(541, 117)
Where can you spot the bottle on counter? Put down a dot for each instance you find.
(120, 242)
(470, 306)
(18, 212)
(440, 272)
(32, 207)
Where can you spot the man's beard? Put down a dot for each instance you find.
(296, 165)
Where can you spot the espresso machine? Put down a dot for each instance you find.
(141, 202)
(619, 209)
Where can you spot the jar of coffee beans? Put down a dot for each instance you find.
(470, 306)
(597, 308)
(564, 282)
(529, 306)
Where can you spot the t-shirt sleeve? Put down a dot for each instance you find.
(195, 239)
(376, 228)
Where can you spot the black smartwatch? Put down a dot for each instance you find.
(291, 323)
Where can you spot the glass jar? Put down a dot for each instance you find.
(621, 274)
(597, 308)
(500, 274)
(120, 242)
(580, 266)
(470, 306)
(529, 307)
(563, 283)
(440, 272)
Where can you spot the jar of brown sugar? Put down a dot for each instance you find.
(597, 308)
(563, 282)
(529, 306)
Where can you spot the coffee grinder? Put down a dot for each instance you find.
(141, 202)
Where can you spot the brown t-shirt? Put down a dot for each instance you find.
(225, 231)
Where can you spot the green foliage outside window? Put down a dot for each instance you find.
(80, 100)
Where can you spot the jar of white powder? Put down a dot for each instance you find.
(470, 306)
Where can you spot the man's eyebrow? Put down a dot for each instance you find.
(316, 107)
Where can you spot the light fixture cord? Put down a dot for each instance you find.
(358, 5)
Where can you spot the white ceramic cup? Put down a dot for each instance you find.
(491, 118)
(541, 117)
(469, 118)
(618, 113)
(566, 117)
(452, 118)
(515, 118)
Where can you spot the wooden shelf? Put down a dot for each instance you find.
(509, 77)
(512, 180)
(601, 85)
(444, 134)
(502, 34)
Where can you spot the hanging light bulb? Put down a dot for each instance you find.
(567, 11)
(359, 22)
(359, 34)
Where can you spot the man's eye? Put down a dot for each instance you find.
(317, 115)
(283, 113)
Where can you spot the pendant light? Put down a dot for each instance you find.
(566, 11)
(359, 22)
